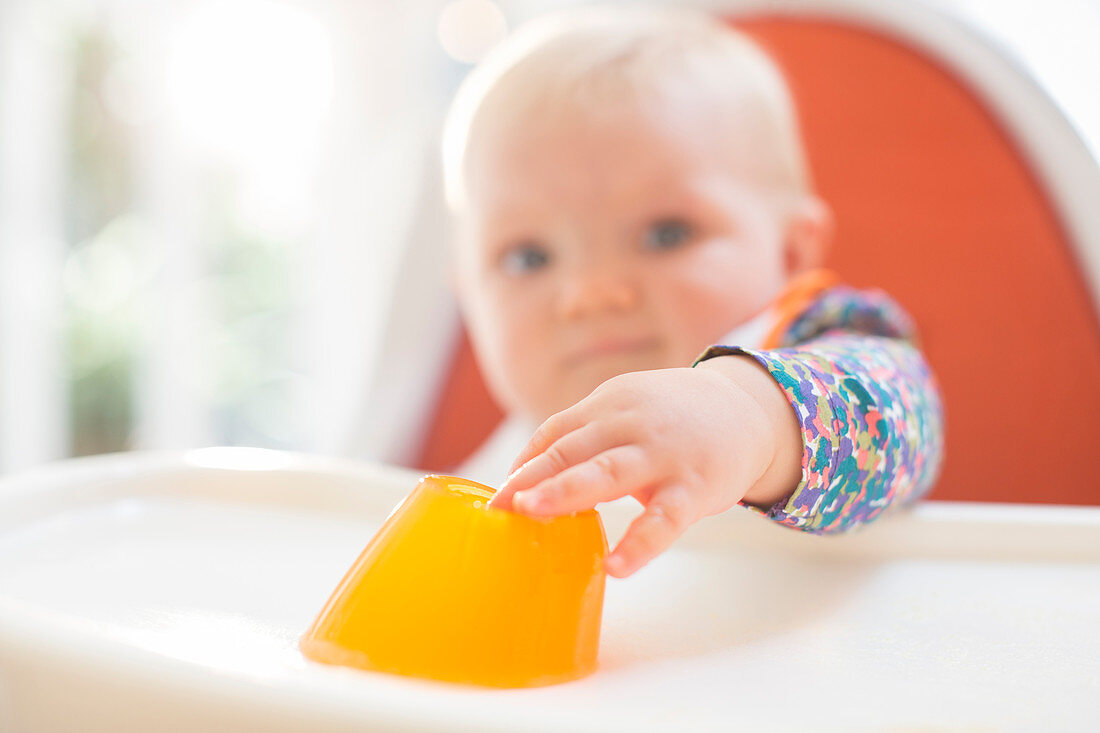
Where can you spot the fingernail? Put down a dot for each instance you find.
(533, 501)
(520, 500)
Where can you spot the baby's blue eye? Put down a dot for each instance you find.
(525, 258)
(667, 234)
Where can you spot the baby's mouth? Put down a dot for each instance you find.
(609, 348)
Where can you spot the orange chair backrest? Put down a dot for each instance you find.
(934, 203)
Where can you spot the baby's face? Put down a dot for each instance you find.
(593, 247)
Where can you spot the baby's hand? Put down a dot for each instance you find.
(686, 443)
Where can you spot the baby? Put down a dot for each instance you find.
(638, 254)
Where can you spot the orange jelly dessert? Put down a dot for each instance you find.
(452, 589)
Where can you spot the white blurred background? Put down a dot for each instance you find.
(204, 204)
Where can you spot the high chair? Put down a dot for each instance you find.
(961, 189)
(168, 591)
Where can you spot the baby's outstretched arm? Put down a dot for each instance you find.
(663, 437)
(849, 397)
(848, 394)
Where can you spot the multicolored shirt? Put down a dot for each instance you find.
(869, 408)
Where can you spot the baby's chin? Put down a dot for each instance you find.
(574, 383)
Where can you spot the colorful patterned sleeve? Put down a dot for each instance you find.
(869, 407)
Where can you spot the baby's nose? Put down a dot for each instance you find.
(597, 291)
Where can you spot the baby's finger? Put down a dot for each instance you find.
(552, 429)
(668, 513)
(603, 477)
(569, 450)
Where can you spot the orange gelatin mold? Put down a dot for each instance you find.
(451, 589)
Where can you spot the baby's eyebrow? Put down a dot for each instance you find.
(514, 223)
(496, 245)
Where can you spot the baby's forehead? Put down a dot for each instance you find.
(633, 151)
(696, 122)
(567, 139)
(686, 69)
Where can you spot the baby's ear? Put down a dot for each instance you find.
(808, 235)
(458, 282)
(451, 252)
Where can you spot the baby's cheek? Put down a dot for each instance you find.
(526, 362)
(705, 316)
(727, 293)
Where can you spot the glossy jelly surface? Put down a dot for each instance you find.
(451, 589)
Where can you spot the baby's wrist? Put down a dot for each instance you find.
(781, 457)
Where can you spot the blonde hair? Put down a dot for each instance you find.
(594, 56)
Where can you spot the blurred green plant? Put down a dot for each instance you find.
(252, 294)
(101, 340)
(245, 284)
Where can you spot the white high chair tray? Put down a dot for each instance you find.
(166, 592)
